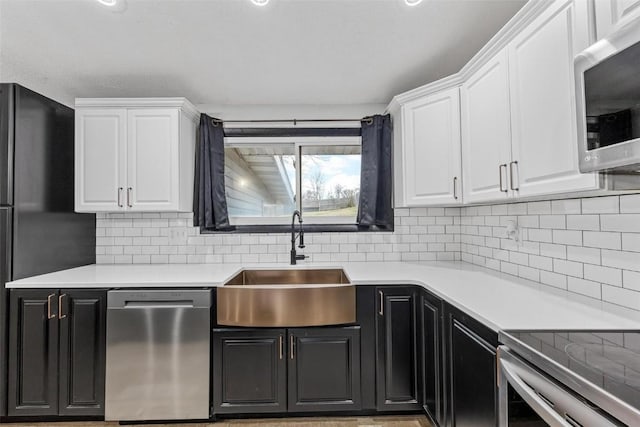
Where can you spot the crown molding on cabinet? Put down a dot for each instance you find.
(520, 20)
(176, 102)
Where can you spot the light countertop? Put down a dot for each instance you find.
(498, 300)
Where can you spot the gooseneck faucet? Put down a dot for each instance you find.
(294, 256)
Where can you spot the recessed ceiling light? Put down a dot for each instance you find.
(260, 2)
(114, 5)
(412, 2)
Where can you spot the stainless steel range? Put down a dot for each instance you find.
(569, 378)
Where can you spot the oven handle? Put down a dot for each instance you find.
(539, 405)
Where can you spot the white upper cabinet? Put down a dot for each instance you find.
(135, 155)
(430, 146)
(543, 118)
(100, 160)
(610, 12)
(486, 131)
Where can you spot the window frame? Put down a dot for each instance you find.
(255, 222)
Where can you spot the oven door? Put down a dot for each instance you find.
(529, 398)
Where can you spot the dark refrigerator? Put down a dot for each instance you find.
(39, 230)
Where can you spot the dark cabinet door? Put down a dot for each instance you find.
(249, 371)
(33, 353)
(397, 350)
(472, 373)
(82, 317)
(431, 357)
(324, 369)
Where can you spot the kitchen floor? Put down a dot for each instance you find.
(390, 421)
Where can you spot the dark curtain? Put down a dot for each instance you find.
(209, 201)
(375, 208)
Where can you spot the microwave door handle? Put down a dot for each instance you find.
(539, 405)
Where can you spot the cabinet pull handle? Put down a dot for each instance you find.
(504, 165)
(60, 314)
(129, 197)
(455, 187)
(291, 346)
(120, 197)
(515, 162)
(381, 312)
(281, 347)
(49, 315)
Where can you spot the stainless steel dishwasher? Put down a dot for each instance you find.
(158, 344)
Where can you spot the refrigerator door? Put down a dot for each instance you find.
(47, 234)
(6, 144)
(5, 276)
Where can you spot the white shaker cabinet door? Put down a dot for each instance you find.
(153, 159)
(610, 12)
(431, 139)
(543, 120)
(486, 131)
(100, 159)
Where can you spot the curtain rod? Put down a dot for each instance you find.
(368, 120)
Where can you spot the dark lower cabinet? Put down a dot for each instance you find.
(33, 356)
(397, 380)
(324, 369)
(472, 372)
(82, 352)
(57, 351)
(280, 370)
(431, 352)
(249, 371)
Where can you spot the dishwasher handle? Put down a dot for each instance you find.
(188, 298)
(159, 304)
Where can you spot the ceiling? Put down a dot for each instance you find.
(230, 52)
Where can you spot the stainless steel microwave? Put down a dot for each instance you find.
(608, 101)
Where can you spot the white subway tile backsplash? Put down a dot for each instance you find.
(567, 237)
(621, 296)
(568, 206)
(630, 203)
(568, 268)
(583, 222)
(631, 242)
(553, 221)
(601, 205)
(624, 222)
(620, 259)
(581, 245)
(582, 254)
(588, 246)
(584, 287)
(599, 239)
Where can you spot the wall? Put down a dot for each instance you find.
(420, 234)
(589, 246)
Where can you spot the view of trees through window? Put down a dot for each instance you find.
(330, 180)
(263, 181)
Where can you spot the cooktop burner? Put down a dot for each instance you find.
(608, 359)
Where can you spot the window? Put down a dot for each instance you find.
(267, 178)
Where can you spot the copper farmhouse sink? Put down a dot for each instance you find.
(287, 298)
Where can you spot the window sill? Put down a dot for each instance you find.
(308, 228)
